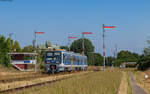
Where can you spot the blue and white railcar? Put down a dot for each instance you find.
(56, 61)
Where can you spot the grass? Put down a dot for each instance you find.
(125, 87)
(95, 83)
(143, 83)
(129, 90)
(4, 86)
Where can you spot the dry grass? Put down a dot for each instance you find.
(125, 86)
(11, 73)
(4, 86)
(92, 68)
(141, 81)
(129, 89)
(95, 83)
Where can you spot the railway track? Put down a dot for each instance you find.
(29, 86)
(38, 84)
(31, 77)
(21, 78)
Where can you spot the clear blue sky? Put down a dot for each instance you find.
(57, 18)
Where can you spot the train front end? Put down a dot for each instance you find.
(52, 61)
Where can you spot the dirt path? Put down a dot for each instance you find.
(135, 87)
(124, 84)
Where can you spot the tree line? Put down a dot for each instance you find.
(8, 45)
(96, 59)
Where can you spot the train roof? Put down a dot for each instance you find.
(78, 54)
(57, 50)
(64, 51)
(22, 53)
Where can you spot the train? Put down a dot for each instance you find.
(61, 60)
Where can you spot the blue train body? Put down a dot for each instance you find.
(56, 61)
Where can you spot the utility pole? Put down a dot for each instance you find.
(10, 34)
(34, 41)
(115, 55)
(83, 51)
(69, 43)
(116, 49)
(83, 33)
(104, 49)
(69, 39)
(34, 46)
(70, 52)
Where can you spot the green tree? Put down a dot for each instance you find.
(2, 50)
(76, 46)
(146, 51)
(95, 59)
(17, 46)
(64, 47)
(5, 49)
(10, 44)
(109, 60)
(144, 61)
(126, 56)
(28, 49)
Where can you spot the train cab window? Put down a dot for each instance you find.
(49, 54)
(57, 54)
(54, 58)
(48, 58)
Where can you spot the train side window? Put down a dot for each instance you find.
(78, 59)
(73, 58)
(84, 61)
(64, 58)
(48, 58)
(68, 59)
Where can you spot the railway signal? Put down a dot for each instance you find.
(69, 39)
(104, 47)
(84, 33)
(34, 41)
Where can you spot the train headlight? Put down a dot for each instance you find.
(47, 61)
(57, 62)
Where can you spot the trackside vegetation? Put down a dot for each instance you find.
(94, 59)
(94, 83)
(7, 45)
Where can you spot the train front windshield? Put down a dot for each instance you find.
(56, 56)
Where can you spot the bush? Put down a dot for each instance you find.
(41, 66)
(144, 63)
